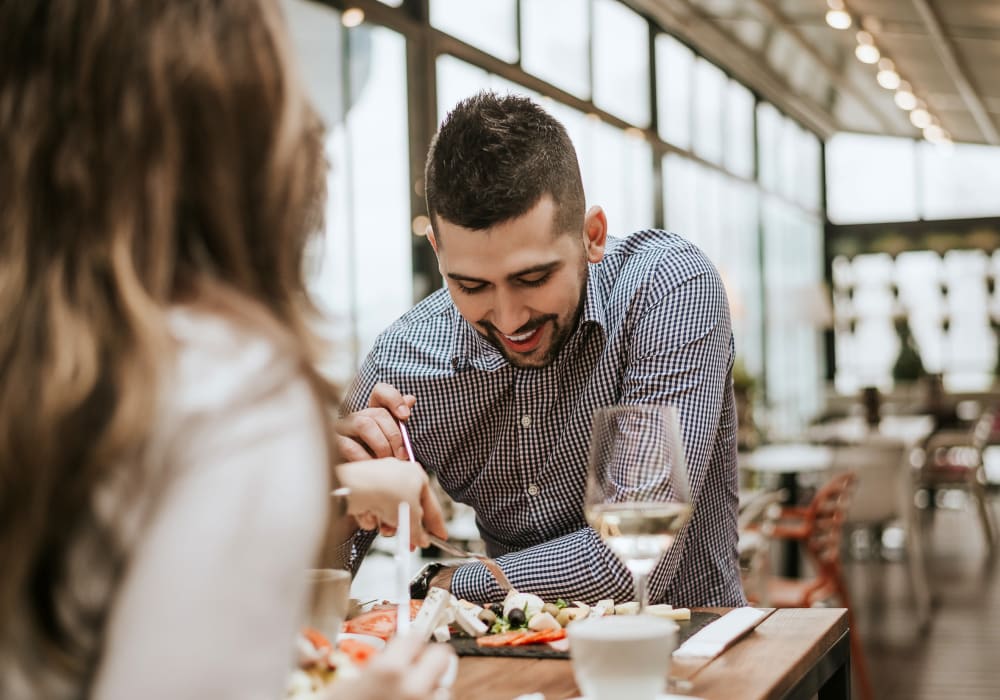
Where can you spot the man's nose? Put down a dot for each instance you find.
(509, 314)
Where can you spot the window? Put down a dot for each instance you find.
(490, 25)
(680, 208)
(739, 135)
(618, 175)
(870, 178)
(368, 206)
(709, 98)
(959, 181)
(674, 75)
(768, 139)
(621, 62)
(555, 40)
(798, 312)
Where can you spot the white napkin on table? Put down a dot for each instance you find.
(712, 639)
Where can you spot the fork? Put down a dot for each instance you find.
(445, 545)
(490, 564)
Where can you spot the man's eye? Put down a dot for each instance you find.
(470, 288)
(534, 281)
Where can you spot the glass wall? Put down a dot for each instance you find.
(680, 152)
(935, 282)
(360, 269)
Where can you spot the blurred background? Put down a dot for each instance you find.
(838, 160)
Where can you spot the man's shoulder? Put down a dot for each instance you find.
(654, 253)
(431, 320)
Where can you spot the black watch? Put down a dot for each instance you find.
(422, 581)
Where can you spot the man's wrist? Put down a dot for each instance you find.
(442, 579)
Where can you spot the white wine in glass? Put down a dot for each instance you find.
(637, 486)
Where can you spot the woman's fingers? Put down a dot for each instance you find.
(433, 520)
(351, 450)
(367, 521)
(427, 670)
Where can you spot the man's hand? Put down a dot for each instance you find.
(377, 487)
(373, 432)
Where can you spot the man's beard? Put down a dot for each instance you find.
(560, 334)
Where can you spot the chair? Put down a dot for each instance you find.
(884, 495)
(753, 546)
(818, 528)
(953, 459)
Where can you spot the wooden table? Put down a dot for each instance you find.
(794, 654)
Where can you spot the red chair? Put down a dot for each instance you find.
(818, 528)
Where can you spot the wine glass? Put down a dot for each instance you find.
(637, 486)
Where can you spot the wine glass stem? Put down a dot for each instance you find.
(641, 590)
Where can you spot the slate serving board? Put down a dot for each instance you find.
(466, 646)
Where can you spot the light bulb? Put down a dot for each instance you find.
(921, 118)
(935, 134)
(866, 51)
(352, 17)
(838, 19)
(889, 79)
(905, 99)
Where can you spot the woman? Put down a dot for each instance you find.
(164, 449)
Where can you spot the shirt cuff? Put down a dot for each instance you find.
(354, 549)
(475, 583)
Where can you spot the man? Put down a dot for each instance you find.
(543, 320)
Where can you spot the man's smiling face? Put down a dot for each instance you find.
(521, 282)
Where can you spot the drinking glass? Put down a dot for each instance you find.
(637, 496)
(329, 600)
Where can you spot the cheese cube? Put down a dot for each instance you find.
(435, 607)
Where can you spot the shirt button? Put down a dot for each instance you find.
(533, 489)
(526, 421)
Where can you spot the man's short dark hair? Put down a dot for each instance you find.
(493, 159)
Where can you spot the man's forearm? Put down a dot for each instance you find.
(576, 566)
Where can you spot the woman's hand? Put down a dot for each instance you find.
(378, 486)
(408, 669)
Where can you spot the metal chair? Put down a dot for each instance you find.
(953, 459)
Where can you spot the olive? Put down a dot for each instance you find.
(551, 608)
(517, 618)
(497, 609)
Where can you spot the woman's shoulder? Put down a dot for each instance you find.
(218, 359)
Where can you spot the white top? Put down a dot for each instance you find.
(231, 512)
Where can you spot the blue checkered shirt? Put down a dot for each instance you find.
(513, 443)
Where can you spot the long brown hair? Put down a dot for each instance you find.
(152, 152)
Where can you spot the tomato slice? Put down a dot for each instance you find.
(551, 636)
(359, 652)
(529, 638)
(380, 622)
(316, 638)
(501, 640)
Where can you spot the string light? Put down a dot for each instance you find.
(887, 76)
(837, 17)
(352, 17)
(866, 51)
(921, 118)
(904, 97)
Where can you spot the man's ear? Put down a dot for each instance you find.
(430, 237)
(595, 233)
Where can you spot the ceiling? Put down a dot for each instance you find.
(948, 50)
